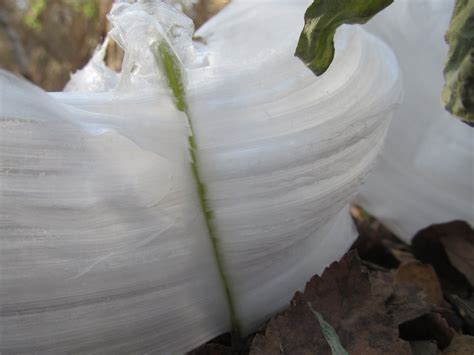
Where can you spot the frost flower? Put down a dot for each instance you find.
(426, 171)
(117, 238)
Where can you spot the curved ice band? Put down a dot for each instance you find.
(102, 245)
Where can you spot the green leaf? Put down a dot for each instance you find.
(458, 92)
(323, 17)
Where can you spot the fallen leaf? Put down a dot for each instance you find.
(428, 248)
(465, 309)
(403, 302)
(423, 348)
(448, 312)
(430, 326)
(424, 276)
(461, 345)
(458, 239)
(376, 245)
(373, 247)
(361, 314)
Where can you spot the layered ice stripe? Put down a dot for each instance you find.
(281, 151)
(102, 244)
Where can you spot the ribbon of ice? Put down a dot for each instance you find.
(426, 171)
(104, 244)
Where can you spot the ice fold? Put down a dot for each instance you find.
(102, 249)
(426, 171)
(103, 244)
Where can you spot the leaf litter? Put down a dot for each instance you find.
(392, 299)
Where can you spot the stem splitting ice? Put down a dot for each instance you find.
(171, 67)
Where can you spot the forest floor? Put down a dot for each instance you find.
(383, 297)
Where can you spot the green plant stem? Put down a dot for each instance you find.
(171, 67)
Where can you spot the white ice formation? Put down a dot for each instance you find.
(104, 247)
(426, 171)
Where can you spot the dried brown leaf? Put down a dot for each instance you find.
(458, 239)
(430, 326)
(376, 245)
(461, 345)
(429, 249)
(365, 316)
(423, 348)
(424, 276)
(465, 309)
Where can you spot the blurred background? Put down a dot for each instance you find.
(46, 40)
